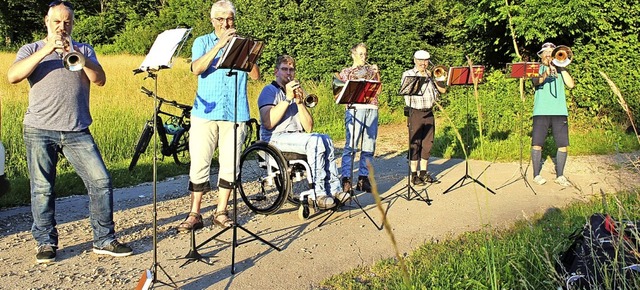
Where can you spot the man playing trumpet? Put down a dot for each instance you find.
(550, 110)
(57, 122)
(287, 124)
(421, 121)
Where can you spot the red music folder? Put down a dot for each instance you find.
(460, 75)
(524, 69)
(358, 92)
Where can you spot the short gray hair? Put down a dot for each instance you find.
(223, 6)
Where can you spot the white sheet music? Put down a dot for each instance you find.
(163, 49)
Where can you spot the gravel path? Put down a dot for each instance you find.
(309, 254)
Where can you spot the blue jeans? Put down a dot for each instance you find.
(43, 147)
(366, 121)
(320, 155)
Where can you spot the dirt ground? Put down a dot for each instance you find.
(299, 254)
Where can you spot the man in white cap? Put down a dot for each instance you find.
(550, 110)
(421, 122)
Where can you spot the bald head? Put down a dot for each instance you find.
(59, 20)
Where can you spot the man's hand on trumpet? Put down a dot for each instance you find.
(293, 92)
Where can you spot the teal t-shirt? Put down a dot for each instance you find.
(550, 97)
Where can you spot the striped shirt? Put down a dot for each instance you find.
(426, 100)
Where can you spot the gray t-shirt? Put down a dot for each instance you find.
(58, 98)
(271, 95)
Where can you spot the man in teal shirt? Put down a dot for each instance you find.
(550, 110)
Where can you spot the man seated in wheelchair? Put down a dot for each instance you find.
(287, 124)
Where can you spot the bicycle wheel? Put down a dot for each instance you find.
(143, 143)
(181, 144)
(263, 181)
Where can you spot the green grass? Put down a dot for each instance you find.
(520, 257)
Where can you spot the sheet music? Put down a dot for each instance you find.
(163, 49)
(240, 53)
(358, 92)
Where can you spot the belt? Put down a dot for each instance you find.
(422, 110)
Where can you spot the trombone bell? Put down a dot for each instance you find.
(562, 56)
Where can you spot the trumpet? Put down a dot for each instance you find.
(439, 73)
(562, 56)
(73, 60)
(309, 100)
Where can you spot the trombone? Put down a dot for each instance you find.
(438, 72)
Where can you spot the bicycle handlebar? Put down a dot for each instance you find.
(172, 103)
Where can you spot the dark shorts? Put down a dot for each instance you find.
(559, 128)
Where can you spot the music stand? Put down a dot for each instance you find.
(412, 86)
(239, 54)
(356, 92)
(167, 45)
(463, 76)
(522, 71)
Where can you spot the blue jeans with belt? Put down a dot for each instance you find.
(366, 127)
(320, 155)
(43, 147)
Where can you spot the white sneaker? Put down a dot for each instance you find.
(325, 202)
(539, 180)
(563, 181)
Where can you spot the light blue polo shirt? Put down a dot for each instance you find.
(550, 97)
(215, 97)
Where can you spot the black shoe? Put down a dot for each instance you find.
(426, 177)
(363, 184)
(416, 179)
(46, 254)
(346, 184)
(115, 249)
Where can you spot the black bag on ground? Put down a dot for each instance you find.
(604, 254)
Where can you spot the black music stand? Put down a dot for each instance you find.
(356, 92)
(412, 86)
(463, 76)
(238, 55)
(167, 45)
(522, 71)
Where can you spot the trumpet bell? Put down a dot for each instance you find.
(562, 56)
(311, 101)
(337, 85)
(440, 73)
(73, 61)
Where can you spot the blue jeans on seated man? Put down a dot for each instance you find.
(320, 156)
(366, 121)
(43, 147)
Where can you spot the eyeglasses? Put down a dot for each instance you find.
(288, 69)
(224, 20)
(58, 2)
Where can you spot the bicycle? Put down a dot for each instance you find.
(176, 126)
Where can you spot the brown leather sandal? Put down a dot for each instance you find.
(221, 219)
(195, 224)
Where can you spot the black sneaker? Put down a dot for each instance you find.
(45, 254)
(416, 179)
(428, 178)
(363, 184)
(115, 249)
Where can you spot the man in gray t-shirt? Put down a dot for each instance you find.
(287, 124)
(57, 122)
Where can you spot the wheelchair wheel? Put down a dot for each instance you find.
(263, 179)
(143, 143)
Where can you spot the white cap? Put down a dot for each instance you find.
(421, 54)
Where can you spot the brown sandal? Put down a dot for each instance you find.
(224, 220)
(187, 226)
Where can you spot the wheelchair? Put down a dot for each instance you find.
(268, 177)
